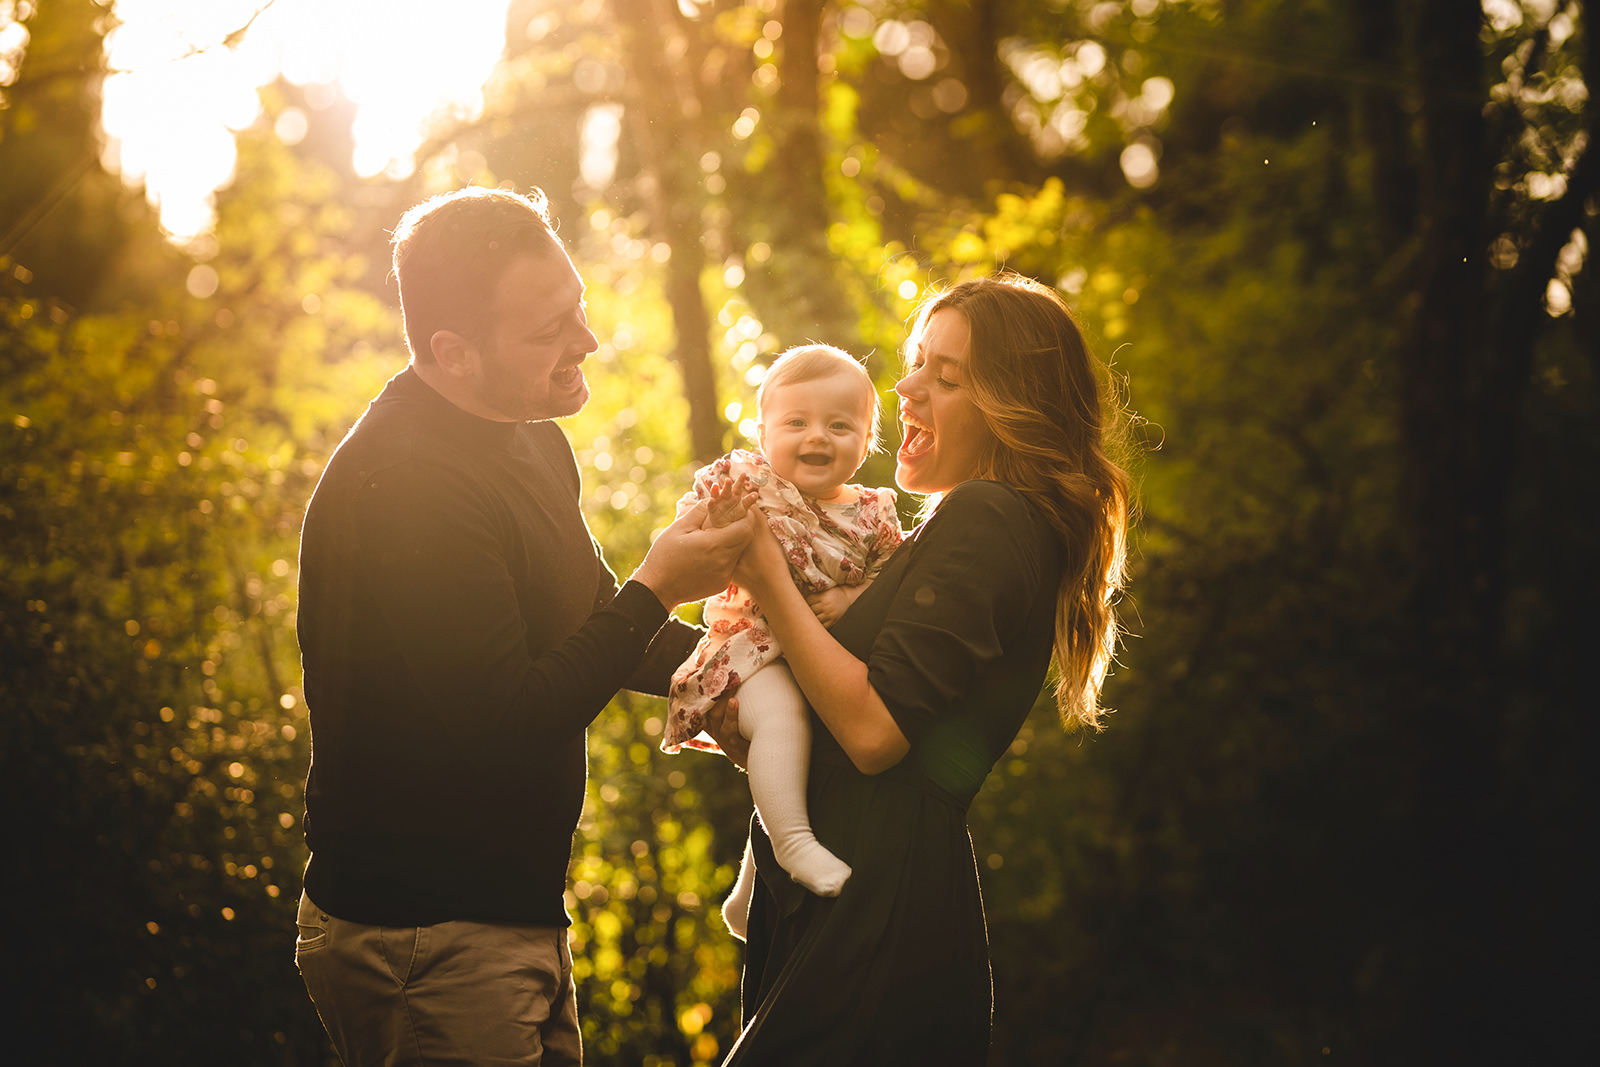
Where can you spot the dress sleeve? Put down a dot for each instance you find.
(975, 575)
(432, 562)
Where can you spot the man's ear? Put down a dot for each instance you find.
(453, 353)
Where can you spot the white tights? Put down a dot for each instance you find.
(773, 717)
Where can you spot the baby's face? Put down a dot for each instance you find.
(815, 433)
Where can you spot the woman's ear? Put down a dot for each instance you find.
(454, 354)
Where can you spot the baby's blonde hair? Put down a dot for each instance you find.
(812, 362)
(806, 363)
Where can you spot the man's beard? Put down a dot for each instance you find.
(501, 391)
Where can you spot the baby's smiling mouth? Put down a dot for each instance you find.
(815, 459)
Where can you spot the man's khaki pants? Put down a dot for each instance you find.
(454, 993)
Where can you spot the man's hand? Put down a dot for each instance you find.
(722, 723)
(693, 559)
(829, 604)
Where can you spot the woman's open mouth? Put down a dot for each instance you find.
(915, 437)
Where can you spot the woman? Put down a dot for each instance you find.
(925, 681)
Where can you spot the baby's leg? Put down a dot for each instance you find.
(772, 714)
(736, 909)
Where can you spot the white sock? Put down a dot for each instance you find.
(772, 715)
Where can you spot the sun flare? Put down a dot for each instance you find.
(184, 79)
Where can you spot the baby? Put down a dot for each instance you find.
(818, 417)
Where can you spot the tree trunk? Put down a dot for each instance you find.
(667, 146)
(972, 30)
(797, 290)
(1384, 125)
(1460, 424)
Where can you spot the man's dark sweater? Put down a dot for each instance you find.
(459, 630)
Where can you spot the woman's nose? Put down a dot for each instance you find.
(904, 386)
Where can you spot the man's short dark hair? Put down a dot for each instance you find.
(449, 253)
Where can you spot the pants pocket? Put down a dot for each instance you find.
(402, 948)
(310, 939)
(311, 925)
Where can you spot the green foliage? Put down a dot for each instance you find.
(149, 689)
(156, 464)
(660, 842)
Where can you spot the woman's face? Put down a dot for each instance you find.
(943, 434)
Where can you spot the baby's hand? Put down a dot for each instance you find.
(830, 604)
(728, 501)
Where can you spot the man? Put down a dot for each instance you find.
(459, 629)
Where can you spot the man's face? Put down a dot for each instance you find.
(529, 363)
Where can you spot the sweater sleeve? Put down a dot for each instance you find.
(672, 644)
(432, 562)
(973, 578)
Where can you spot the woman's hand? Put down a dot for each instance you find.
(763, 565)
(722, 723)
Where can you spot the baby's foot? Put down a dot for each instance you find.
(817, 869)
(736, 911)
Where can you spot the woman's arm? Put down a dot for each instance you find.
(833, 680)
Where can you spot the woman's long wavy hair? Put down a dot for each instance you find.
(1031, 374)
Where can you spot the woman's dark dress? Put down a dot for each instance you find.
(956, 633)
